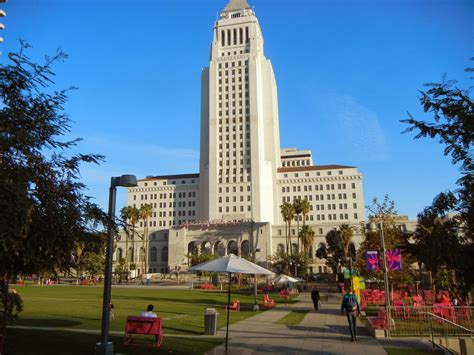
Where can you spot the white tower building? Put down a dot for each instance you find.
(240, 143)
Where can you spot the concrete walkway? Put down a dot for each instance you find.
(323, 332)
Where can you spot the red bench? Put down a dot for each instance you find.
(207, 286)
(235, 307)
(267, 301)
(145, 326)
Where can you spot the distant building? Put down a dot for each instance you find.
(233, 204)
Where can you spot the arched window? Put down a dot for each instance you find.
(241, 36)
(206, 248)
(247, 38)
(223, 38)
(164, 254)
(232, 248)
(235, 36)
(228, 37)
(219, 248)
(153, 254)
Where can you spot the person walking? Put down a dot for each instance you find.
(315, 297)
(350, 304)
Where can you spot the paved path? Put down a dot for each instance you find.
(323, 332)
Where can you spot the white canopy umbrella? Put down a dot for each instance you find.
(231, 264)
(284, 279)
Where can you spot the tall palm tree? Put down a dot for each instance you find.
(346, 233)
(132, 215)
(288, 213)
(298, 208)
(145, 212)
(305, 209)
(307, 237)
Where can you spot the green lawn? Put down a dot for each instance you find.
(293, 318)
(37, 342)
(80, 307)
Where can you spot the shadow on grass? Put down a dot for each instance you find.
(47, 322)
(40, 342)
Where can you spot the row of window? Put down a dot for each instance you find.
(173, 182)
(235, 179)
(234, 209)
(234, 198)
(317, 187)
(163, 195)
(234, 162)
(342, 206)
(305, 162)
(234, 188)
(234, 36)
(329, 197)
(153, 254)
(318, 173)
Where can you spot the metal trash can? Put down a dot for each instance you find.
(210, 321)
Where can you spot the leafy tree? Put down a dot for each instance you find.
(294, 264)
(452, 125)
(288, 213)
(384, 213)
(93, 263)
(44, 213)
(336, 250)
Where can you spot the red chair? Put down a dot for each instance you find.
(143, 325)
(235, 307)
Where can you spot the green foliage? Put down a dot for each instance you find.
(291, 263)
(384, 213)
(120, 266)
(11, 306)
(93, 263)
(44, 212)
(337, 247)
(443, 242)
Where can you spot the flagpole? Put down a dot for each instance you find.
(228, 309)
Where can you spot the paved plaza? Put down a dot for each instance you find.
(323, 332)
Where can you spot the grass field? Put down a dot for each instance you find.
(293, 318)
(80, 307)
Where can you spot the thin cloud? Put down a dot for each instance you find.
(359, 127)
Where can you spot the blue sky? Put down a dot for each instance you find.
(347, 72)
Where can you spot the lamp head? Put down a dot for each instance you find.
(124, 181)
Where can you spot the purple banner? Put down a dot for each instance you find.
(394, 259)
(372, 260)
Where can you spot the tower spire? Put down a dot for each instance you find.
(235, 5)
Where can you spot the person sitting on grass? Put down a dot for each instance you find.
(149, 312)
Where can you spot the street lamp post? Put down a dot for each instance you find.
(385, 277)
(104, 347)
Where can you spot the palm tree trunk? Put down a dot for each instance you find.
(298, 231)
(289, 232)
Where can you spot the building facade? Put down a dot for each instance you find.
(233, 204)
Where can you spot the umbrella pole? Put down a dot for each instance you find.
(228, 308)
